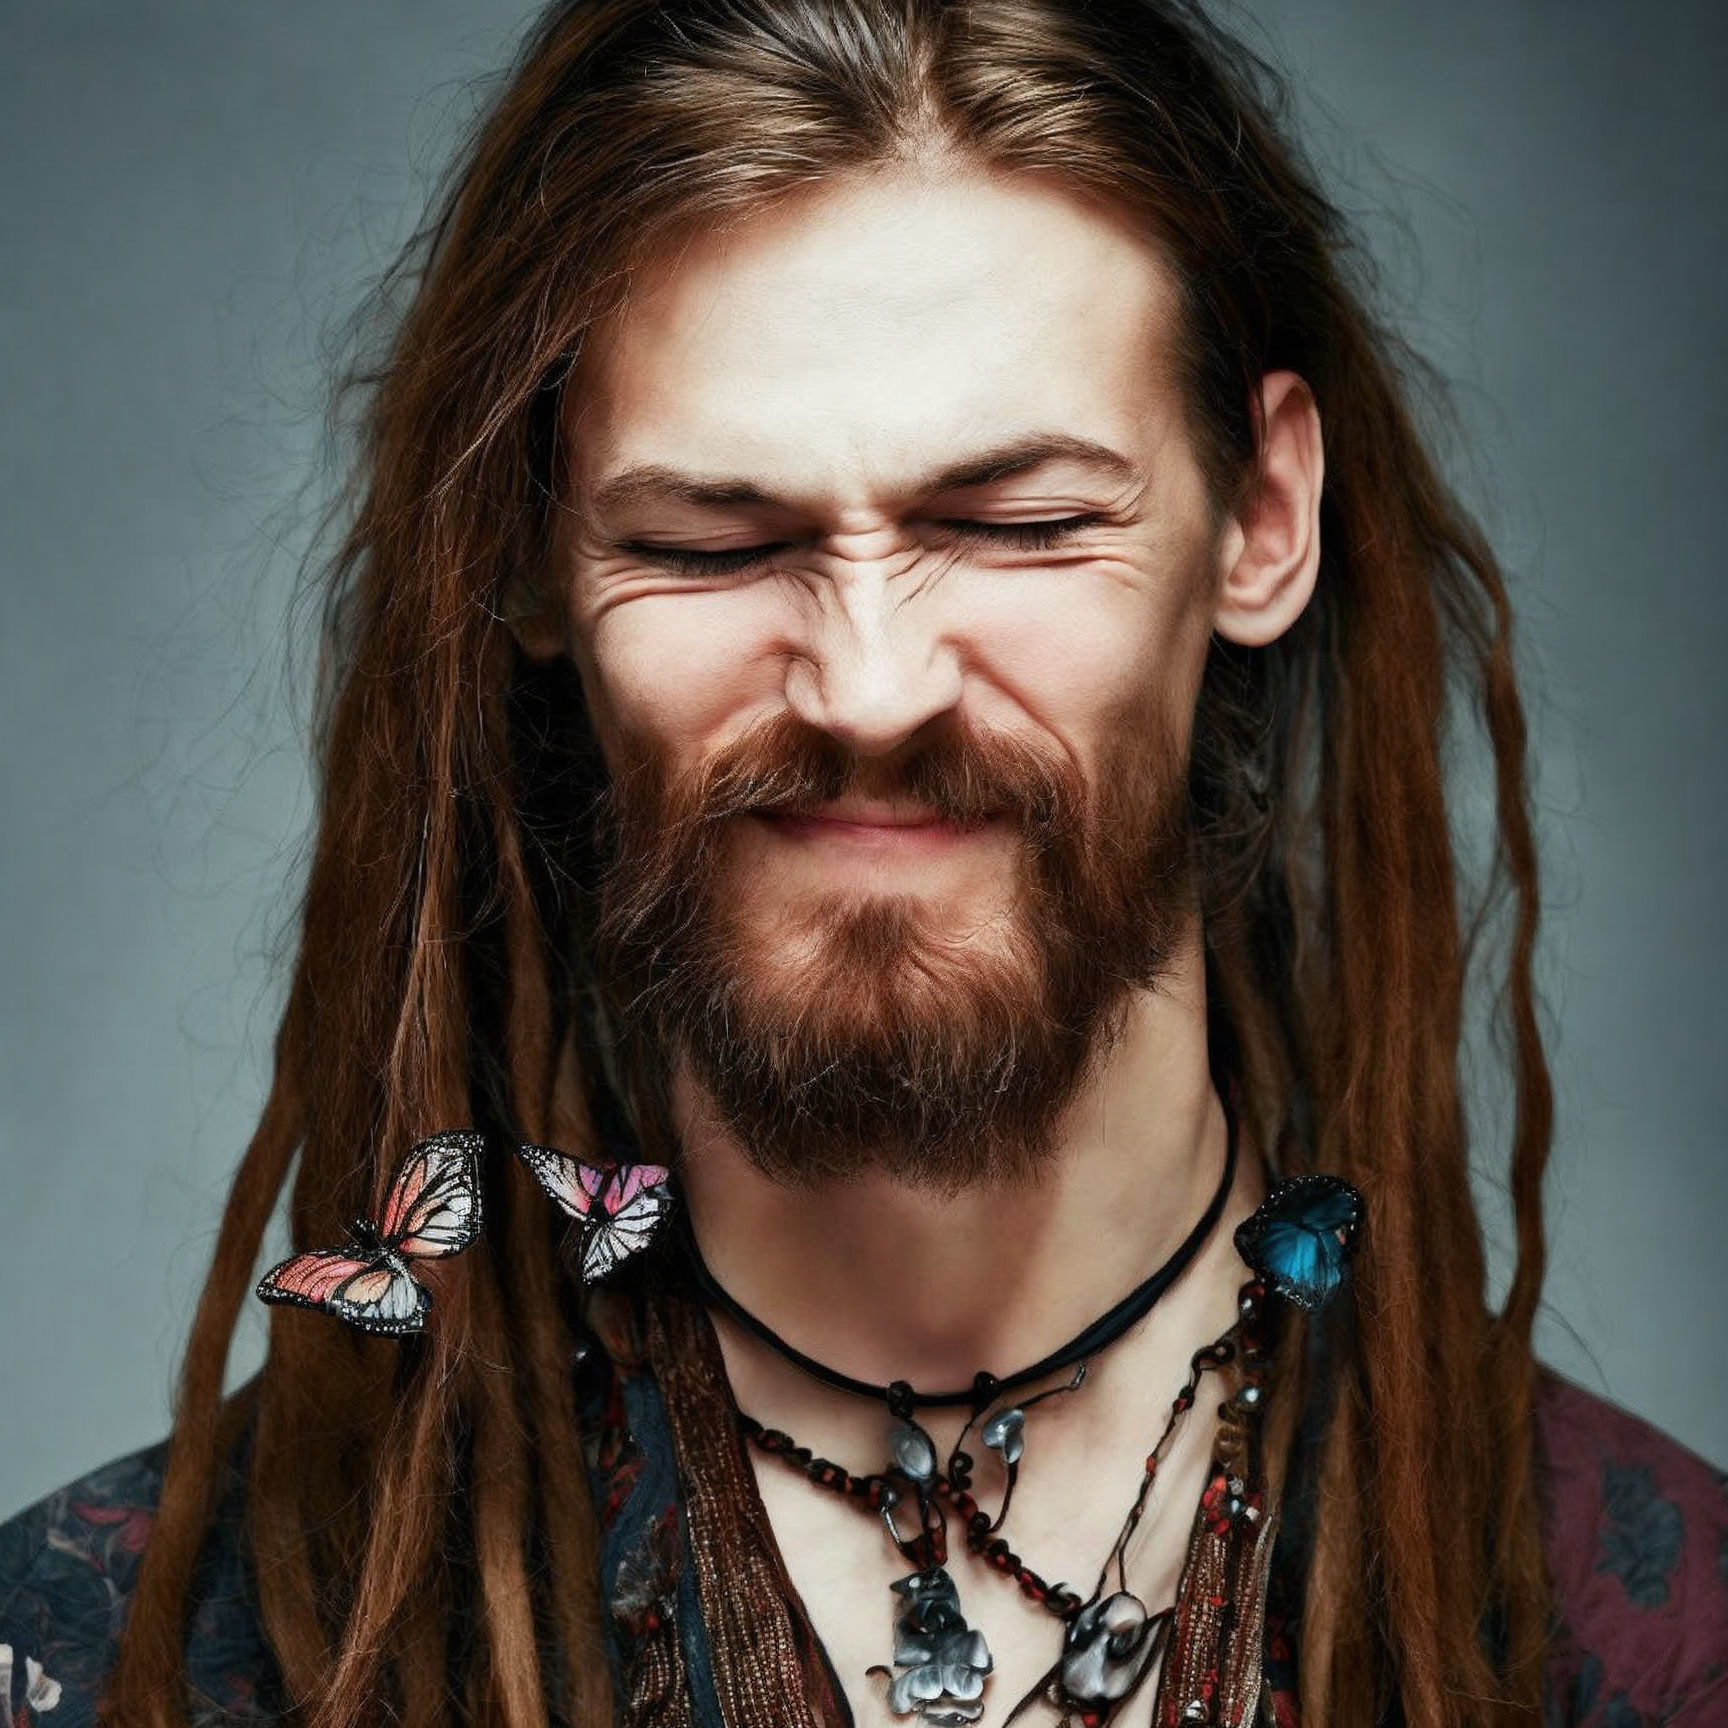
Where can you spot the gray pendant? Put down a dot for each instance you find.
(1005, 1432)
(914, 1451)
(1109, 1647)
(940, 1661)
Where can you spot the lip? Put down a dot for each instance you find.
(875, 825)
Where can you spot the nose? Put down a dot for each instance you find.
(874, 667)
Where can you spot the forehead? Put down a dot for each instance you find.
(848, 340)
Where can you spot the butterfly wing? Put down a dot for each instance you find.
(1332, 1210)
(572, 1182)
(1304, 1264)
(631, 1207)
(369, 1293)
(434, 1203)
(309, 1280)
(630, 1181)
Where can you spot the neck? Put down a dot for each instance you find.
(884, 1281)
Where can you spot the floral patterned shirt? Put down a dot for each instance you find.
(1637, 1535)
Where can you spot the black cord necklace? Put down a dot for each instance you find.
(986, 1388)
(940, 1662)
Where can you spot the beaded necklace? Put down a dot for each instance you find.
(1110, 1640)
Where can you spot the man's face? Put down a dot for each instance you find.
(899, 777)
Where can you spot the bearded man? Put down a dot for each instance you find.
(884, 747)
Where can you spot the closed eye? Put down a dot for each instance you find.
(1021, 536)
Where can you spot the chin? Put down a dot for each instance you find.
(863, 1039)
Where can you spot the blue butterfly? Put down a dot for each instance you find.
(1300, 1237)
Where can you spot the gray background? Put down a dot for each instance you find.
(195, 193)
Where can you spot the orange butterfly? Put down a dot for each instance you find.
(433, 1209)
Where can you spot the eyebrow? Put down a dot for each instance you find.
(654, 481)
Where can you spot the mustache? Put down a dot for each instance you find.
(784, 766)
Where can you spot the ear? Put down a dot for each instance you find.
(1271, 548)
(533, 601)
(535, 620)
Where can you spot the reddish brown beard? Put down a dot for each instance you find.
(891, 1047)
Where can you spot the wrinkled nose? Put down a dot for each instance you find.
(874, 667)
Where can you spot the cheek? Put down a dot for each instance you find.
(1089, 653)
(678, 667)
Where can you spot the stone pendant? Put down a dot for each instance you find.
(1108, 1649)
(939, 1661)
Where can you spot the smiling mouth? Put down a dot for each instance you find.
(875, 826)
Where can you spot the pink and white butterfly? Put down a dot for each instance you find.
(433, 1209)
(620, 1207)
